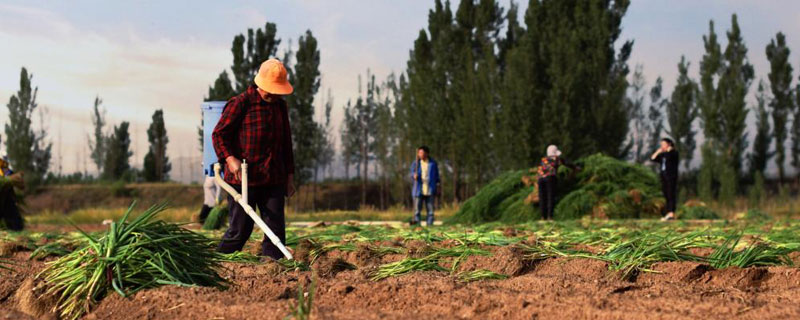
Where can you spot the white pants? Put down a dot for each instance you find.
(212, 193)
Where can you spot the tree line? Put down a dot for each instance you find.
(487, 88)
(488, 92)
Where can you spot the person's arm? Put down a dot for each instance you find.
(656, 157)
(568, 163)
(414, 166)
(288, 154)
(224, 136)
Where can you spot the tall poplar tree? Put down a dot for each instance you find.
(761, 143)
(156, 162)
(27, 149)
(681, 113)
(305, 78)
(782, 103)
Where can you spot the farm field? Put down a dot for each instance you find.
(542, 270)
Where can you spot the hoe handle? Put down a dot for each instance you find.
(250, 212)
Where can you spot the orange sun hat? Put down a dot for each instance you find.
(271, 78)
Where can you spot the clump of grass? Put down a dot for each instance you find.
(697, 213)
(407, 265)
(239, 257)
(481, 274)
(755, 254)
(301, 310)
(482, 207)
(131, 256)
(52, 249)
(289, 265)
(637, 254)
(319, 251)
(216, 218)
(384, 250)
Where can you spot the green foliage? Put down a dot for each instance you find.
(301, 309)
(638, 253)
(482, 274)
(156, 162)
(756, 215)
(120, 189)
(696, 213)
(260, 45)
(728, 181)
(780, 82)
(216, 218)
(27, 149)
(619, 188)
(757, 193)
(705, 180)
(754, 254)
(681, 113)
(98, 144)
(131, 256)
(483, 207)
(514, 209)
(305, 77)
(761, 153)
(407, 265)
(118, 153)
(575, 205)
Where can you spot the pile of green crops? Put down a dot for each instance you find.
(216, 218)
(131, 256)
(501, 200)
(604, 187)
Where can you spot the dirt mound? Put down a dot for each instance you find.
(673, 272)
(328, 266)
(509, 261)
(579, 268)
(736, 277)
(32, 299)
(556, 288)
(8, 248)
(418, 248)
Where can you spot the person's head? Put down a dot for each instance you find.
(422, 153)
(667, 143)
(552, 151)
(271, 80)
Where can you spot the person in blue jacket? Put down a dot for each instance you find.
(425, 174)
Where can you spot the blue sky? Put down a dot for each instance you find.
(143, 55)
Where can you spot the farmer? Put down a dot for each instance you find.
(254, 126)
(425, 174)
(212, 196)
(667, 158)
(9, 212)
(548, 170)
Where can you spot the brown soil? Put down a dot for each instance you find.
(557, 288)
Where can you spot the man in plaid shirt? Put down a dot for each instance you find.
(254, 126)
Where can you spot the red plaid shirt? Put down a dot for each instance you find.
(257, 131)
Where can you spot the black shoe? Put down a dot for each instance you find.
(203, 214)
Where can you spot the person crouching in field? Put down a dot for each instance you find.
(254, 126)
(548, 180)
(425, 174)
(667, 158)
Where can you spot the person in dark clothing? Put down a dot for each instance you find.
(548, 180)
(254, 126)
(667, 159)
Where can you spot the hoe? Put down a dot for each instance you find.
(242, 200)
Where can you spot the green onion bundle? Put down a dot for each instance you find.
(131, 256)
(480, 274)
